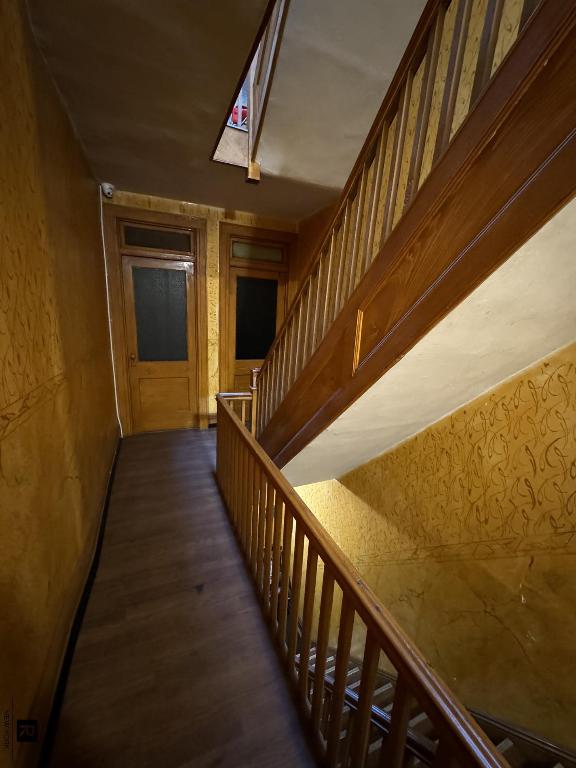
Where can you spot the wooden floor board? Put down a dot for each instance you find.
(174, 667)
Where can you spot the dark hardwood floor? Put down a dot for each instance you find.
(174, 665)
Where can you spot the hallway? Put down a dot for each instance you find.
(173, 665)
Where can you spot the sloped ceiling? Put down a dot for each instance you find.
(524, 311)
(335, 64)
(147, 86)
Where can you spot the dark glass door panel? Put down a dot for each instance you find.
(161, 316)
(161, 239)
(256, 300)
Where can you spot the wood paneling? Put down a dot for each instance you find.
(212, 217)
(173, 665)
(467, 219)
(58, 427)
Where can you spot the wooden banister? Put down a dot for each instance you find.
(271, 503)
(427, 212)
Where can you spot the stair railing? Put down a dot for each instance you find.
(245, 404)
(456, 48)
(269, 519)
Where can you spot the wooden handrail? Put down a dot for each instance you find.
(446, 69)
(270, 518)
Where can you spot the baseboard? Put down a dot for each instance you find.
(76, 626)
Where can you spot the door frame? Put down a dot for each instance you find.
(114, 216)
(264, 274)
(227, 234)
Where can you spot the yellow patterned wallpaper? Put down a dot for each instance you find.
(58, 427)
(467, 533)
(213, 218)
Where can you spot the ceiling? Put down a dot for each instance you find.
(521, 313)
(147, 86)
(334, 66)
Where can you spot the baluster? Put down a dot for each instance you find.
(295, 596)
(423, 119)
(487, 47)
(291, 351)
(357, 226)
(243, 498)
(397, 151)
(262, 384)
(254, 517)
(381, 156)
(527, 10)
(329, 280)
(392, 755)
(361, 730)
(308, 607)
(281, 367)
(285, 364)
(231, 503)
(339, 689)
(249, 503)
(341, 258)
(312, 296)
(269, 529)
(262, 504)
(270, 389)
(321, 647)
(303, 341)
(317, 319)
(276, 553)
(285, 577)
(453, 77)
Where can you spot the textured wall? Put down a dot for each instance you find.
(57, 418)
(213, 218)
(466, 532)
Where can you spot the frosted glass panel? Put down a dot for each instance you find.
(256, 252)
(160, 306)
(255, 317)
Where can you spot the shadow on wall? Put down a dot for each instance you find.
(466, 532)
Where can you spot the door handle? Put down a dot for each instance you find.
(132, 359)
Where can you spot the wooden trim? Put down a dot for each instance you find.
(226, 233)
(259, 105)
(451, 238)
(244, 73)
(113, 215)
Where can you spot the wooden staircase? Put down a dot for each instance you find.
(472, 151)
(520, 748)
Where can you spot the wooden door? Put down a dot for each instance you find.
(160, 312)
(257, 303)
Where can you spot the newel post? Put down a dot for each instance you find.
(254, 390)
